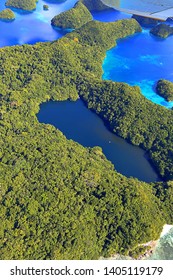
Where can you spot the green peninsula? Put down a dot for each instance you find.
(73, 18)
(27, 5)
(7, 14)
(60, 200)
(165, 89)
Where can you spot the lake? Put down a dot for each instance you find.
(85, 127)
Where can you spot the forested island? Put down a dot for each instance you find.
(60, 200)
(73, 18)
(45, 7)
(162, 30)
(165, 89)
(27, 5)
(7, 14)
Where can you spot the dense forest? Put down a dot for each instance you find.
(162, 30)
(7, 14)
(73, 18)
(134, 118)
(60, 200)
(165, 89)
(27, 5)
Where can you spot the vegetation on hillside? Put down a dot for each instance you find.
(60, 200)
(162, 30)
(7, 14)
(134, 118)
(165, 89)
(73, 18)
(27, 5)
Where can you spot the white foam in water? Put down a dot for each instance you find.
(164, 247)
(166, 229)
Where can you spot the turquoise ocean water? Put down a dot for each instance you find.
(164, 248)
(141, 60)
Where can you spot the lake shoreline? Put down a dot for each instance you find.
(102, 135)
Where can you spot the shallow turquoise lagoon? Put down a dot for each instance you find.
(141, 60)
(164, 248)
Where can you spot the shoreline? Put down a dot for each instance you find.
(152, 244)
(166, 229)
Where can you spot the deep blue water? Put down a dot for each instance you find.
(108, 16)
(83, 126)
(32, 27)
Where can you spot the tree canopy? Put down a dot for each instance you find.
(60, 200)
(165, 89)
(7, 14)
(27, 5)
(162, 30)
(73, 18)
